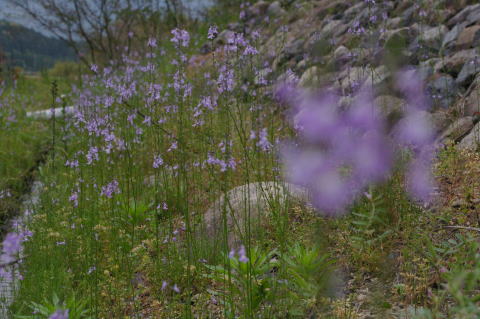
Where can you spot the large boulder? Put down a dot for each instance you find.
(246, 207)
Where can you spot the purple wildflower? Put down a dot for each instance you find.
(60, 314)
(92, 155)
(180, 37)
(242, 255)
(12, 244)
(212, 32)
(74, 198)
(152, 42)
(263, 142)
(110, 189)
(249, 50)
(157, 161)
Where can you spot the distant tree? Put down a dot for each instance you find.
(100, 27)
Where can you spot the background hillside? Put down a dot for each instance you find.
(31, 50)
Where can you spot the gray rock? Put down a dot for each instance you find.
(356, 77)
(464, 14)
(246, 207)
(258, 9)
(309, 77)
(451, 37)
(331, 27)
(470, 105)
(443, 90)
(394, 23)
(469, 37)
(392, 108)
(472, 140)
(341, 55)
(439, 120)
(426, 69)
(474, 16)
(457, 130)
(354, 10)
(275, 10)
(453, 64)
(432, 37)
(468, 72)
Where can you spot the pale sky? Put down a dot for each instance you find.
(12, 14)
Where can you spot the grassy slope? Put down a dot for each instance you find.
(391, 252)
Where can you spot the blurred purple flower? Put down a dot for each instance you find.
(60, 314)
(242, 253)
(12, 244)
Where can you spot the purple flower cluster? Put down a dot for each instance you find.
(110, 189)
(242, 254)
(212, 32)
(180, 37)
(341, 151)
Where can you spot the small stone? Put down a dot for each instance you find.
(259, 9)
(469, 37)
(331, 27)
(394, 23)
(433, 37)
(341, 55)
(454, 63)
(468, 72)
(309, 77)
(459, 203)
(450, 38)
(275, 10)
(443, 90)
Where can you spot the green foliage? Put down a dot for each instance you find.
(250, 284)
(307, 272)
(76, 308)
(369, 226)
